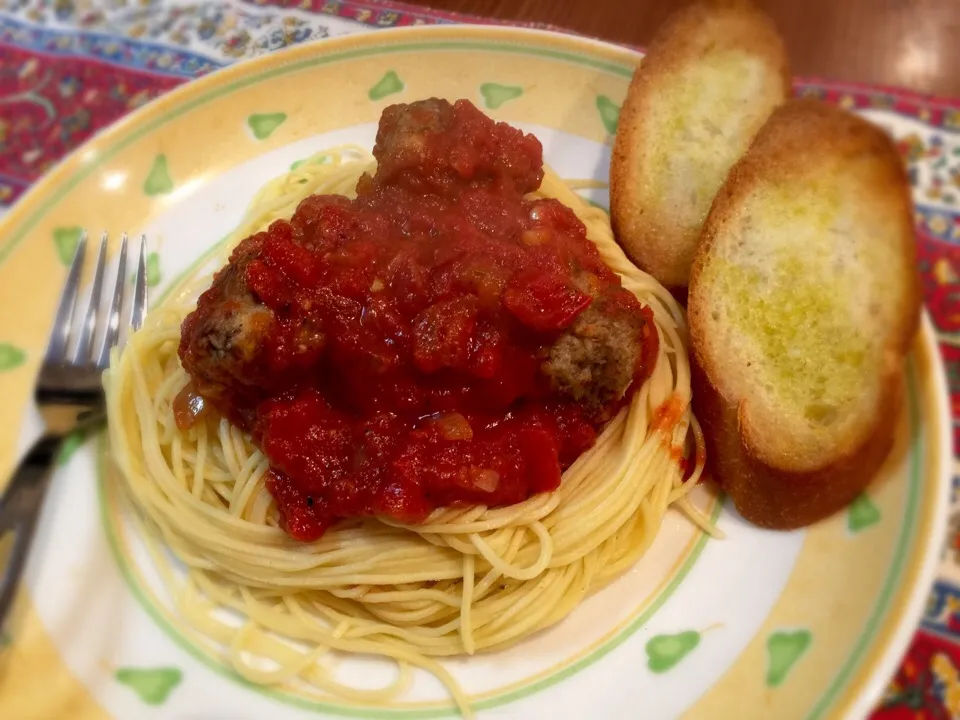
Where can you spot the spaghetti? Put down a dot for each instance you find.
(466, 580)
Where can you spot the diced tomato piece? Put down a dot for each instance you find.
(544, 301)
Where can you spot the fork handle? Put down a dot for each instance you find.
(19, 509)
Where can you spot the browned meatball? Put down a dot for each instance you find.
(221, 342)
(434, 146)
(598, 357)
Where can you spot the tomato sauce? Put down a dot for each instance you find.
(399, 368)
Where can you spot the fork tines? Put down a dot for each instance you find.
(86, 350)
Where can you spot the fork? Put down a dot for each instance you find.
(69, 394)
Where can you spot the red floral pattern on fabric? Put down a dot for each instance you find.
(51, 105)
(927, 685)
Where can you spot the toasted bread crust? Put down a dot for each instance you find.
(773, 494)
(778, 499)
(647, 231)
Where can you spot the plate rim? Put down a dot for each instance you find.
(905, 627)
(900, 630)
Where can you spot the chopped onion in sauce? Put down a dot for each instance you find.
(188, 407)
(486, 480)
(535, 237)
(454, 426)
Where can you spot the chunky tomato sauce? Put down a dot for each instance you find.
(429, 343)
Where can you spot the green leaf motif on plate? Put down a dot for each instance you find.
(609, 113)
(665, 651)
(783, 651)
(495, 95)
(153, 685)
(153, 269)
(389, 84)
(158, 181)
(5, 639)
(862, 513)
(65, 240)
(262, 125)
(11, 357)
(71, 443)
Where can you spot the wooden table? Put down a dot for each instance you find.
(908, 43)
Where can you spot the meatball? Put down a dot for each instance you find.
(433, 146)
(597, 359)
(221, 342)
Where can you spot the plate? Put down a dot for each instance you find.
(804, 624)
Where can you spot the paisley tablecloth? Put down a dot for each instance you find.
(71, 67)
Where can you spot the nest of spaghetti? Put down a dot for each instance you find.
(424, 408)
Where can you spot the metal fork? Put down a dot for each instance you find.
(69, 393)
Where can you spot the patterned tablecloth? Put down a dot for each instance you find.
(71, 67)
